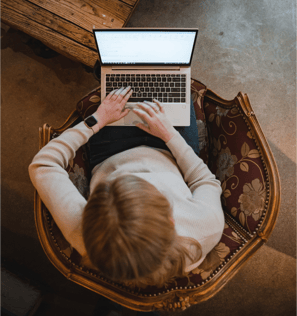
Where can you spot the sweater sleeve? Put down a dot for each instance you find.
(201, 182)
(51, 180)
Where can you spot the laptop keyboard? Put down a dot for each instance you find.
(166, 88)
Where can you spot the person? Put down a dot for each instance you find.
(154, 210)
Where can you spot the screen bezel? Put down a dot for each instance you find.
(146, 29)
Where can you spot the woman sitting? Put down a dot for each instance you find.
(154, 210)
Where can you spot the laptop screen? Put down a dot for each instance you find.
(145, 47)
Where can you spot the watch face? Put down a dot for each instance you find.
(91, 121)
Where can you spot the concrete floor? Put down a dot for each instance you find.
(246, 46)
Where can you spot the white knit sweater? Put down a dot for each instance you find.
(180, 175)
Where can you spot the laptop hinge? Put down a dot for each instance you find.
(146, 67)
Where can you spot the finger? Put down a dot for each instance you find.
(125, 112)
(153, 105)
(142, 114)
(159, 104)
(123, 93)
(116, 94)
(147, 108)
(126, 98)
(111, 94)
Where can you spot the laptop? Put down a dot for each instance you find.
(155, 62)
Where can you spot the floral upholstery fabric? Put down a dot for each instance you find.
(235, 160)
(221, 132)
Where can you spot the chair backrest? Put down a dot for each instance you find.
(235, 149)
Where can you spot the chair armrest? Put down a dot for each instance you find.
(241, 159)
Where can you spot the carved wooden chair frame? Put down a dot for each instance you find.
(175, 298)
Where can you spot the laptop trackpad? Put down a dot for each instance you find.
(132, 117)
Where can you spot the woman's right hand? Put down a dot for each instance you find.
(158, 123)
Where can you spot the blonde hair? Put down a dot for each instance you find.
(128, 234)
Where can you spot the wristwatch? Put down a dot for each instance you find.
(90, 121)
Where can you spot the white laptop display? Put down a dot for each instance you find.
(155, 62)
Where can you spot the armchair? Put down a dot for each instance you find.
(234, 147)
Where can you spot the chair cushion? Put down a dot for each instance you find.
(236, 162)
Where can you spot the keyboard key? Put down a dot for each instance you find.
(165, 100)
(175, 89)
(174, 95)
(177, 100)
(140, 99)
(183, 100)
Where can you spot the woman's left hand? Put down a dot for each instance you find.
(112, 108)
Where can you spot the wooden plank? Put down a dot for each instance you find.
(46, 18)
(49, 37)
(132, 3)
(50, 28)
(89, 13)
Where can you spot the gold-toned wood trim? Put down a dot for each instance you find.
(68, 123)
(217, 99)
(45, 238)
